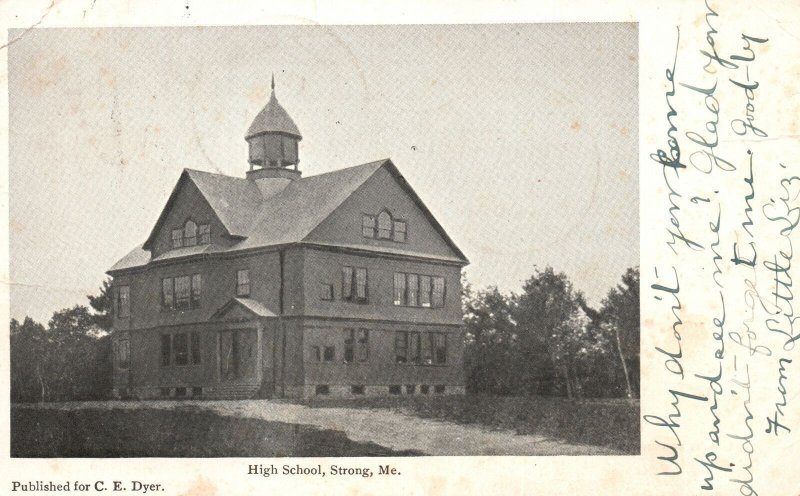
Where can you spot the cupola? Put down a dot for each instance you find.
(272, 139)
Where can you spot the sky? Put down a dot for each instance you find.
(520, 138)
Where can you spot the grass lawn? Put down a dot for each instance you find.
(184, 432)
(613, 423)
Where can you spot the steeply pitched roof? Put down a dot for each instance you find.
(285, 217)
(273, 119)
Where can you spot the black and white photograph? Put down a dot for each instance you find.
(324, 241)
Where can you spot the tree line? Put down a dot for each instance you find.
(547, 340)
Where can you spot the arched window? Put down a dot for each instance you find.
(384, 225)
(190, 234)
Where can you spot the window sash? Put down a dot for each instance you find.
(384, 225)
(195, 347)
(438, 292)
(401, 347)
(180, 347)
(412, 291)
(425, 291)
(243, 283)
(123, 302)
(204, 231)
(167, 293)
(368, 226)
(177, 238)
(183, 286)
(349, 345)
(325, 291)
(427, 353)
(361, 284)
(413, 347)
(399, 288)
(123, 349)
(362, 345)
(190, 234)
(439, 345)
(347, 283)
(196, 290)
(329, 354)
(316, 356)
(399, 233)
(166, 349)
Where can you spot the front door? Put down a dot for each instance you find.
(238, 352)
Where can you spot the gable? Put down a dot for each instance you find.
(185, 203)
(385, 191)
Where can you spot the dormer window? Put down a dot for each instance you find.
(177, 238)
(204, 231)
(383, 226)
(190, 234)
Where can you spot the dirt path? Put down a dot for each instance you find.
(387, 428)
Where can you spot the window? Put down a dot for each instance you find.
(123, 302)
(368, 226)
(315, 355)
(356, 345)
(183, 286)
(190, 234)
(413, 290)
(349, 345)
(204, 231)
(123, 353)
(357, 389)
(325, 291)
(439, 345)
(196, 287)
(361, 284)
(243, 283)
(167, 293)
(180, 346)
(322, 389)
(400, 347)
(347, 283)
(180, 392)
(425, 291)
(362, 345)
(354, 284)
(195, 347)
(177, 238)
(164, 392)
(426, 352)
(399, 288)
(328, 354)
(166, 349)
(438, 389)
(197, 392)
(437, 295)
(384, 225)
(411, 388)
(413, 347)
(424, 389)
(399, 231)
(394, 389)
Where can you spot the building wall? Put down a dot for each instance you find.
(325, 267)
(380, 367)
(219, 286)
(381, 191)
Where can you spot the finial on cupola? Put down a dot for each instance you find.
(273, 82)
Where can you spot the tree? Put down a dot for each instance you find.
(619, 317)
(490, 342)
(103, 304)
(29, 382)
